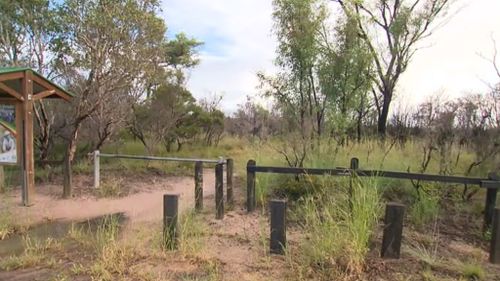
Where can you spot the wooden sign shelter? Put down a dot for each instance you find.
(20, 88)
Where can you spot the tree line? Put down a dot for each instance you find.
(340, 61)
(124, 71)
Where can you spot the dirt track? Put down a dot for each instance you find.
(144, 204)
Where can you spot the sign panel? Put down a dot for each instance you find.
(8, 144)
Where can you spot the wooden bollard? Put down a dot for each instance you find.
(489, 207)
(250, 186)
(495, 238)
(278, 227)
(393, 230)
(354, 163)
(219, 191)
(229, 180)
(353, 166)
(198, 185)
(170, 214)
(490, 203)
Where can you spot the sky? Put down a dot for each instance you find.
(238, 42)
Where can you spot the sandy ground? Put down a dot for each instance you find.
(237, 243)
(145, 203)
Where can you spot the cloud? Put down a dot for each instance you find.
(450, 60)
(238, 43)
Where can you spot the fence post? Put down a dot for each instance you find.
(250, 186)
(393, 230)
(170, 214)
(490, 203)
(97, 168)
(229, 181)
(278, 227)
(219, 191)
(495, 238)
(353, 166)
(198, 185)
(354, 163)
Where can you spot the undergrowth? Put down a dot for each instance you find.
(35, 254)
(337, 228)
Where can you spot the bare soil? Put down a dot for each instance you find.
(235, 248)
(144, 201)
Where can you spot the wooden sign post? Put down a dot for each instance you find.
(20, 88)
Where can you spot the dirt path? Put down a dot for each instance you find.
(144, 204)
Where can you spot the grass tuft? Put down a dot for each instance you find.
(338, 228)
(473, 272)
(109, 188)
(35, 254)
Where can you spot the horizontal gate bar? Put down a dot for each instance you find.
(142, 157)
(368, 173)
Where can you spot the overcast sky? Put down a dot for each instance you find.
(239, 42)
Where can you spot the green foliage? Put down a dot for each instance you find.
(191, 232)
(338, 229)
(425, 209)
(171, 115)
(345, 73)
(26, 27)
(391, 32)
(473, 272)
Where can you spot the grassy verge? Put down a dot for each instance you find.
(36, 253)
(337, 228)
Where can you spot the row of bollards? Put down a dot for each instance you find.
(392, 234)
(171, 201)
(393, 220)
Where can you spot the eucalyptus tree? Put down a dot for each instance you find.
(344, 74)
(296, 26)
(392, 30)
(27, 33)
(106, 51)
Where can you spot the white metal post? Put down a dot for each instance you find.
(96, 169)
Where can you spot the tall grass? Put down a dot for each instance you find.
(191, 232)
(425, 209)
(338, 228)
(6, 223)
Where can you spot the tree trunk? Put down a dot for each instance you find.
(44, 140)
(68, 159)
(382, 118)
(358, 126)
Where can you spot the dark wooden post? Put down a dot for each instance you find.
(278, 227)
(250, 186)
(229, 181)
(490, 203)
(354, 166)
(219, 191)
(495, 238)
(198, 185)
(354, 163)
(170, 214)
(393, 230)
